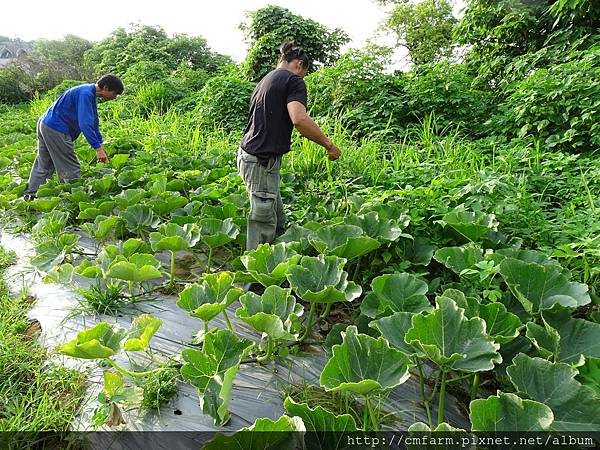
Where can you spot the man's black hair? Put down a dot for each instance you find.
(112, 82)
(289, 52)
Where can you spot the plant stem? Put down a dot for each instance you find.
(374, 420)
(131, 290)
(475, 386)
(172, 281)
(355, 274)
(325, 313)
(227, 320)
(422, 389)
(269, 350)
(453, 380)
(440, 417)
(129, 373)
(206, 327)
(210, 250)
(309, 322)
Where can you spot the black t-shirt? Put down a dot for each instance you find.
(269, 129)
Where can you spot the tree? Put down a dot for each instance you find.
(269, 27)
(143, 43)
(509, 39)
(424, 28)
(68, 51)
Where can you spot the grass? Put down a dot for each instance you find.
(35, 395)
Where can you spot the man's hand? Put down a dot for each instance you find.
(333, 152)
(101, 155)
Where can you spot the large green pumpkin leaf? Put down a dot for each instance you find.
(457, 259)
(452, 341)
(130, 197)
(393, 328)
(296, 237)
(321, 279)
(578, 337)
(210, 297)
(540, 287)
(398, 292)
(102, 341)
(268, 264)
(589, 374)
(362, 364)
(344, 241)
(140, 217)
(217, 232)
(265, 434)
(213, 370)
(470, 225)
(324, 430)
(508, 412)
(271, 313)
(141, 331)
(545, 339)
(140, 267)
(500, 324)
(574, 405)
(418, 250)
(374, 226)
(173, 237)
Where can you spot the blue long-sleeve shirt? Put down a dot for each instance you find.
(75, 112)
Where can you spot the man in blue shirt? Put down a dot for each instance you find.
(73, 113)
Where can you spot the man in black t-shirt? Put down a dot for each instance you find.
(278, 104)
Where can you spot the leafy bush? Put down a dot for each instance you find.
(358, 90)
(446, 90)
(272, 25)
(15, 85)
(559, 104)
(224, 102)
(144, 72)
(156, 96)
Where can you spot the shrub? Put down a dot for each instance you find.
(224, 102)
(447, 91)
(358, 91)
(144, 72)
(560, 105)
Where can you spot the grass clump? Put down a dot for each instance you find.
(35, 395)
(159, 388)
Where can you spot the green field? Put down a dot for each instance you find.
(456, 240)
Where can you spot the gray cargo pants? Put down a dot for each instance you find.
(55, 154)
(266, 220)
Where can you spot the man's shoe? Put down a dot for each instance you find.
(28, 197)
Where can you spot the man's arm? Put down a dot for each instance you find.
(86, 117)
(310, 130)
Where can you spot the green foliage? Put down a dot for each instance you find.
(574, 405)
(224, 102)
(66, 51)
(124, 48)
(144, 72)
(358, 90)
(507, 412)
(559, 105)
(447, 91)
(452, 341)
(212, 371)
(364, 365)
(14, 85)
(159, 387)
(424, 28)
(268, 27)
